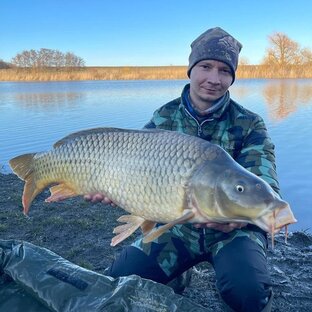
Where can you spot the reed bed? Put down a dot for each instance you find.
(274, 72)
(145, 73)
(93, 73)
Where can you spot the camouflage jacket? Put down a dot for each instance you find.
(239, 131)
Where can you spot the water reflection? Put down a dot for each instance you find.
(47, 101)
(241, 90)
(284, 97)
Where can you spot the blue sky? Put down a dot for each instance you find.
(150, 32)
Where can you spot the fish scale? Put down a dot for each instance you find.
(133, 194)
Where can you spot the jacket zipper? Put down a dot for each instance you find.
(199, 125)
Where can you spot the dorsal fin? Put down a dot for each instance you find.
(98, 130)
(84, 133)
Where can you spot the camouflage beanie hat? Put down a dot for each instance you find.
(215, 44)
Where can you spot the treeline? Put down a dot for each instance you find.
(44, 58)
(284, 58)
(47, 58)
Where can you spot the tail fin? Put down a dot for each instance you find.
(23, 167)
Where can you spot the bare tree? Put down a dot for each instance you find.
(71, 60)
(59, 60)
(33, 58)
(283, 51)
(23, 59)
(47, 58)
(306, 55)
(4, 65)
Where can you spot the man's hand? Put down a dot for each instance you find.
(222, 227)
(98, 198)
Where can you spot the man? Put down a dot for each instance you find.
(237, 251)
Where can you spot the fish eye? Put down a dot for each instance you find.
(240, 188)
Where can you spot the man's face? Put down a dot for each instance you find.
(209, 81)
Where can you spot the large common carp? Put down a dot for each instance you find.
(157, 176)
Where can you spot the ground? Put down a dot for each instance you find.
(81, 233)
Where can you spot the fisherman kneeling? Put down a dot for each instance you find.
(236, 251)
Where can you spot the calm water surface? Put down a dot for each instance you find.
(34, 115)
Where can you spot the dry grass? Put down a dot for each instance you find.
(93, 73)
(269, 72)
(141, 73)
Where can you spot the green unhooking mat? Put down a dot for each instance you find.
(36, 279)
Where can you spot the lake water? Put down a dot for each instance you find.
(34, 115)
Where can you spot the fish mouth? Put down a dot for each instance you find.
(273, 221)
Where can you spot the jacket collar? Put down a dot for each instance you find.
(216, 110)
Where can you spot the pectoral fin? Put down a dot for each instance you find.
(59, 192)
(147, 226)
(162, 229)
(125, 230)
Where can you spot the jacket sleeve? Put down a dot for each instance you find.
(257, 154)
(150, 125)
(158, 121)
(163, 117)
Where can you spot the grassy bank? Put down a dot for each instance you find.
(144, 72)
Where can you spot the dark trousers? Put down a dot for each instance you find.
(241, 269)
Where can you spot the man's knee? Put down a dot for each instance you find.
(242, 276)
(134, 261)
(245, 294)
